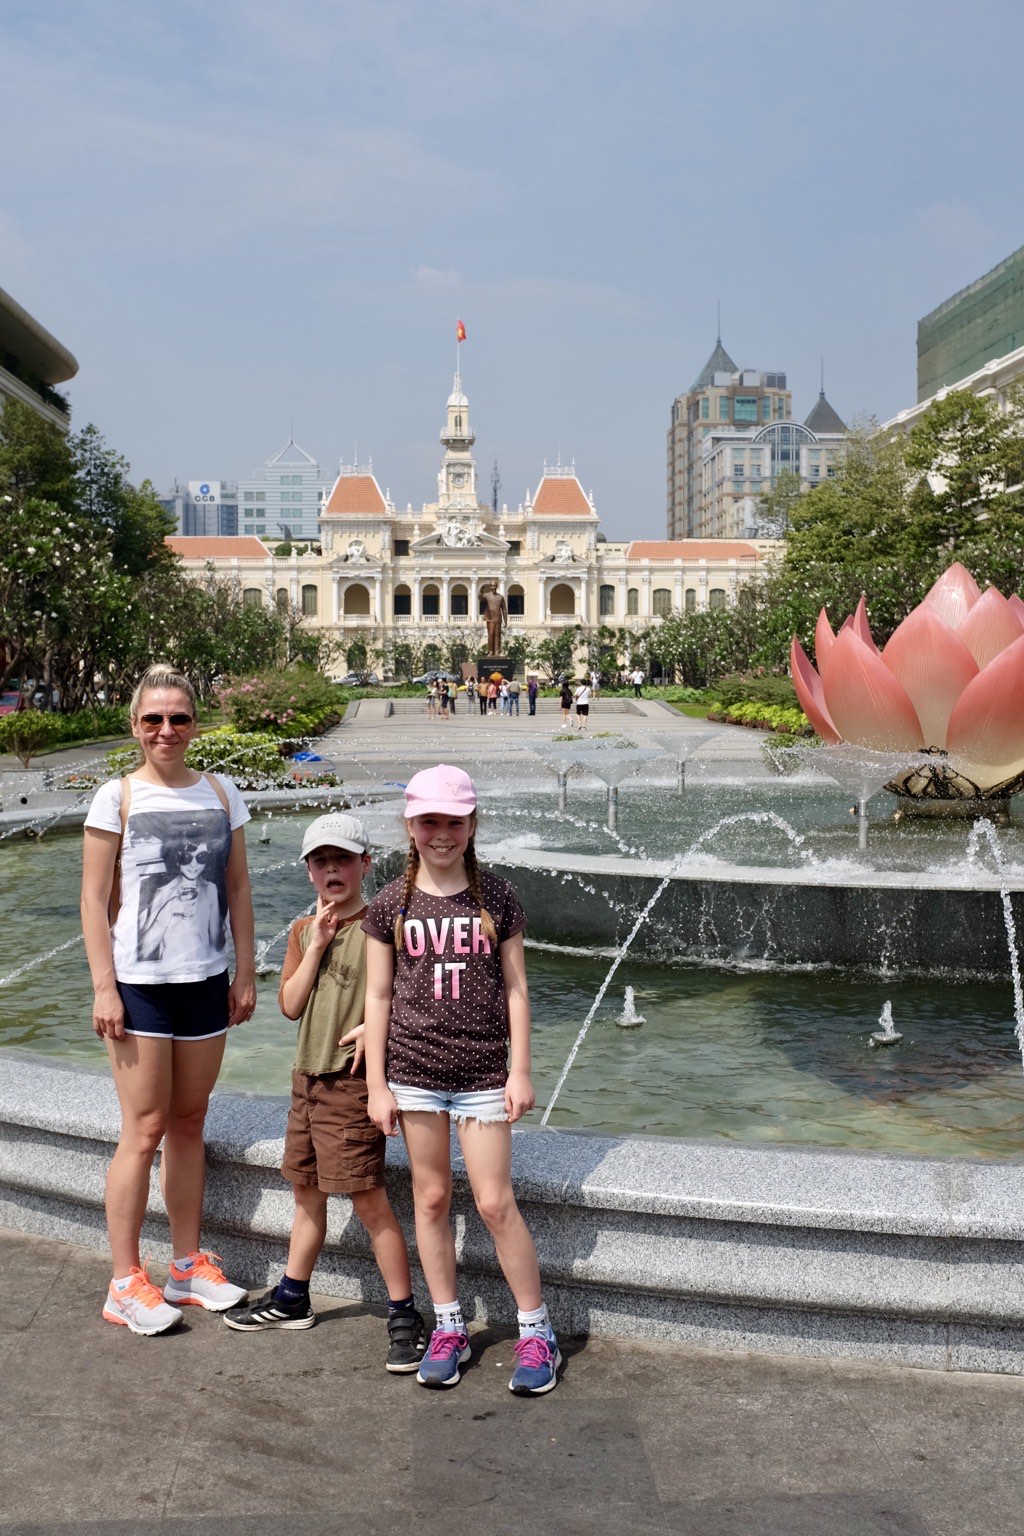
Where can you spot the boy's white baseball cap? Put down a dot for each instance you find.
(335, 830)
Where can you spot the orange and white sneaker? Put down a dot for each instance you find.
(139, 1305)
(202, 1284)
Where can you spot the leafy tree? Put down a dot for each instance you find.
(35, 458)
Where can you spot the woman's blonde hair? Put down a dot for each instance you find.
(162, 675)
(412, 865)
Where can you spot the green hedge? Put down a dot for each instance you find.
(252, 759)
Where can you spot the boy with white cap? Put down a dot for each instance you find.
(331, 1146)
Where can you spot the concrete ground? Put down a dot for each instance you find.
(205, 1432)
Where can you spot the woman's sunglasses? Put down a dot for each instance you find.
(178, 721)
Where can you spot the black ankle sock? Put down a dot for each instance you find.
(394, 1307)
(288, 1289)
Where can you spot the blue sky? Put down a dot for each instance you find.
(248, 218)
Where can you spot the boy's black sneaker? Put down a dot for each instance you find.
(271, 1313)
(408, 1336)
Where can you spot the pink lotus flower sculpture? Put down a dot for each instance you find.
(950, 680)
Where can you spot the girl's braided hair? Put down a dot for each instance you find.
(412, 865)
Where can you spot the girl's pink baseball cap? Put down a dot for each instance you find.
(440, 791)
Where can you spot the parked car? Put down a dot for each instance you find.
(10, 699)
(358, 680)
(426, 678)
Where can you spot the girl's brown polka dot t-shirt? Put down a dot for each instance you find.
(449, 1016)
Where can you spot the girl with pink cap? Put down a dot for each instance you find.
(448, 1038)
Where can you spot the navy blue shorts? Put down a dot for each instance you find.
(176, 1010)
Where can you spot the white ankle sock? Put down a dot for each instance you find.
(534, 1322)
(449, 1317)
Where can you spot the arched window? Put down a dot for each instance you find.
(716, 597)
(356, 656)
(662, 601)
(562, 601)
(357, 602)
(460, 602)
(690, 600)
(606, 602)
(281, 599)
(252, 597)
(633, 602)
(431, 602)
(402, 607)
(516, 601)
(309, 602)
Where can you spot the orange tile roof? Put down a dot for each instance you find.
(561, 496)
(244, 548)
(355, 496)
(690, 549)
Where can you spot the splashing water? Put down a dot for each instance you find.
(595, 1005)
(986, 829)
(30, 965)
(886, 1033)
(629, 1018)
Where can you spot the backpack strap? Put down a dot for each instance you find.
(221, 793)
(114, 904)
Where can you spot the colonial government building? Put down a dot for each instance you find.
(386, 576)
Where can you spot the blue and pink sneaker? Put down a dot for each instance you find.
(537, 1361)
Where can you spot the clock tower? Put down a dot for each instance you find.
(456, 481)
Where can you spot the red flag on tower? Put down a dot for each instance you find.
(460, 331)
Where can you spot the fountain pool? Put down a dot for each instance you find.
(751, 1048)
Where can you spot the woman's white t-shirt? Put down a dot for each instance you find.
(173, 921)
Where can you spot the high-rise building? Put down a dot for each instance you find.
(721, 398)
(981, 323)
(280, 502)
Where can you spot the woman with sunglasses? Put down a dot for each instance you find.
(164, 877)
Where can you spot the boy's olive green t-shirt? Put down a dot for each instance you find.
(337, 1002)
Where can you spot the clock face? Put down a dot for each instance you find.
(458, 477)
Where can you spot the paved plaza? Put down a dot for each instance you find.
(205, 1432)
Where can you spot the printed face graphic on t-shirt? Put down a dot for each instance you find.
(444, 937)
(182, 861)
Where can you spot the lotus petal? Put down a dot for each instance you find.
(985, 737)
(992, 624)
(865, 701)
(934, 667)
(861, 626)
(824, 640)
(1017, 605)
(809, 691)
(954, 594)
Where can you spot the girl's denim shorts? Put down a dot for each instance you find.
(486, 1105)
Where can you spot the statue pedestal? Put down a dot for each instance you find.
(488, 664)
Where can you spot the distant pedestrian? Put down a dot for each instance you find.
(531, 694)
(565, 699)
(583, 695)
(470, 692)
(492, 697)
(637, 679)
(443, 697)
(481, 690)
(514, 690)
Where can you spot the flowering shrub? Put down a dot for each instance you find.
(289, 702)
